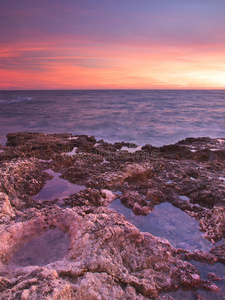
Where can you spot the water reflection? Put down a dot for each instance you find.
(168, 222)
(57, 188)
(219, 270)
(51, 246)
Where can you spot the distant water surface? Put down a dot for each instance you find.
(154, 117)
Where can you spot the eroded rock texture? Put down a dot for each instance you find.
(106, 257)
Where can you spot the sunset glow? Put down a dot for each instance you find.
(112, 44)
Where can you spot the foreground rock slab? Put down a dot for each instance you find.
(106, 253)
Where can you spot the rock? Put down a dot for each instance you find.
(201, 256)
(205, 198)
(32, 284)
(105, 251)
(209, 286)
(175, 151)
(138, 171)
(6, 210)
(90, 197)
(141, 210)
(213, 222)
(22, 176)
(129, 198)
(93, 286)
(154, 196)
(219, 252)
(133, 200)
(107, 257)
(166, 297)
(45, 145)
(213, 277)
(108, 195)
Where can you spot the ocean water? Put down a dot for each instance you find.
(154, 117)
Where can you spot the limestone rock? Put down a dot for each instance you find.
(6, 210)
(219, 252)
(107, 258)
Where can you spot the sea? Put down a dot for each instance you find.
(155, 117)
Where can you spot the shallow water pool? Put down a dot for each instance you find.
(57, 188)
(51, 246)
(169, 222)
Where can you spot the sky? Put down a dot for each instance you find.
(112, 44)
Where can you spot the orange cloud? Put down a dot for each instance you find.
(136, 66)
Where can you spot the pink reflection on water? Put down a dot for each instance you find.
(57, 188)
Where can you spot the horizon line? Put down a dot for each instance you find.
(117, 89)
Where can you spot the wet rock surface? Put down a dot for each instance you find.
(104, 256)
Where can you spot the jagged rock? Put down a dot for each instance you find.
(219, 252)
(210, 286)
(6, 210)
(213, 223)
(133, 200)
(91, 197)
(201, 256)
(92, 285)
(21, 178)
(107, 257)
(45, 145)
(213, 277)
(100, 243)
(155, 196)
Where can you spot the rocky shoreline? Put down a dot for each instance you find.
(107, 257)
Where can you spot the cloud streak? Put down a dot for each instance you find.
(105, 44)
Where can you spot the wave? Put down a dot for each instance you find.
(17, 100)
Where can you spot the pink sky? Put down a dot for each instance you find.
(112, 44)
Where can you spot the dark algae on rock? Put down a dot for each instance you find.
(72, 244)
